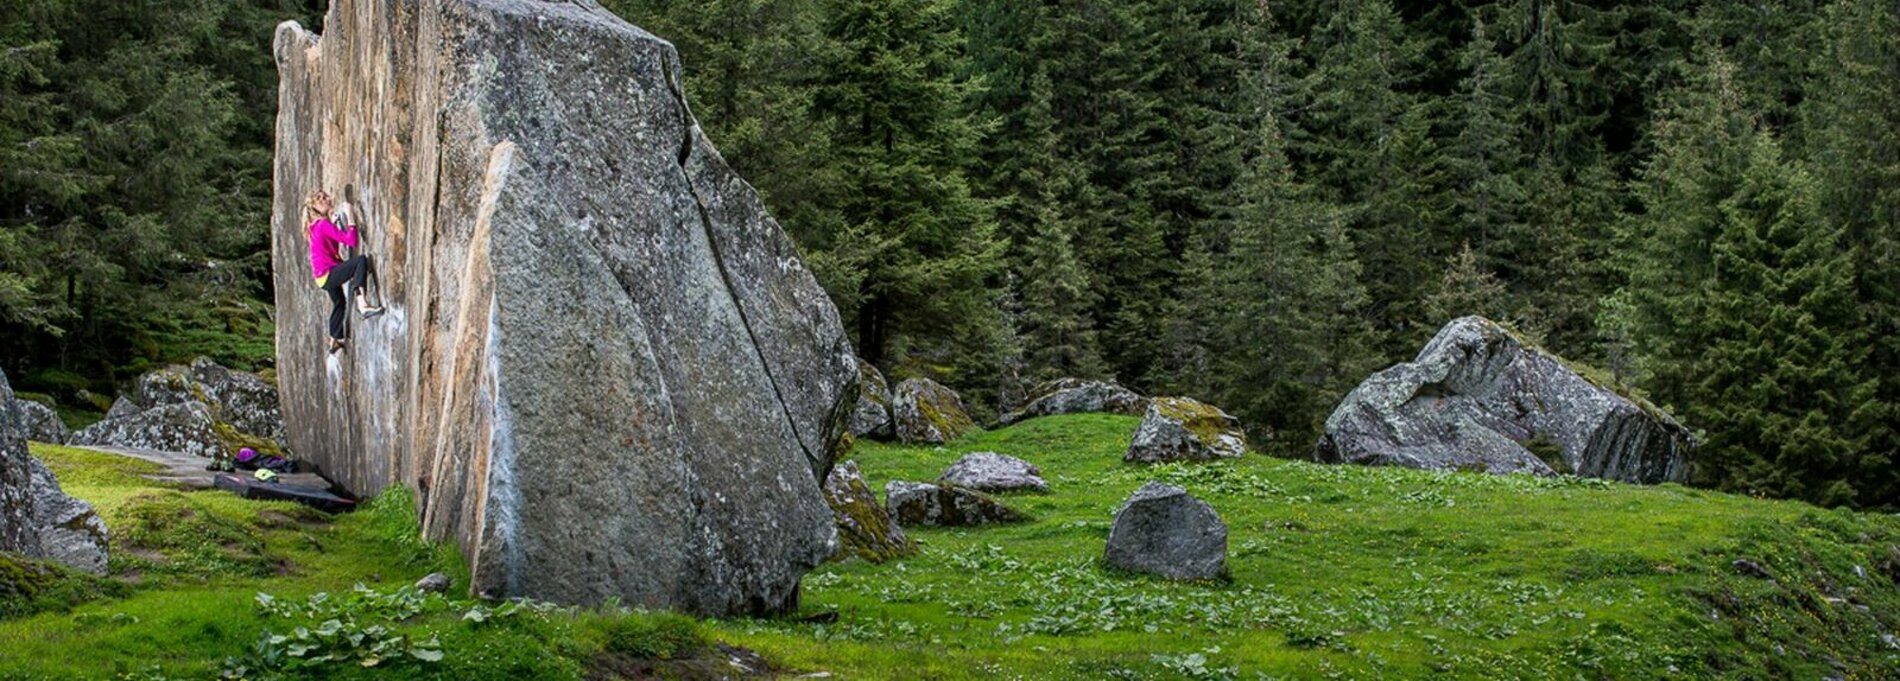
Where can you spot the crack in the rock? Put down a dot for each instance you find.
(671, 68)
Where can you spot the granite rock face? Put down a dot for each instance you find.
(603, 368)
(925, 411)
(993, 472)
(121, 408)
(179, 427)
(1078, 396)
(42, 423)
(1185, 429)
(1477, 397)
(865, 527)
(923, 503)
(872, 418)
(36, 518)
(1163, 530)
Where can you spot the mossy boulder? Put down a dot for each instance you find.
(185, 427)
(1185, 429)
(925, 411)
(923, 503)
(1076, 396)
(872, 417)
(202, 409)
(1480, 397)
(865, 527)
(29, 586)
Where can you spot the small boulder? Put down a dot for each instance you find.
(924, 411)
(872, 418)
(923, 503)
(1076, 396)
(185, 427)
(993, 472)
(865, 527)
(43, 424)
(1480, 397)
(1165, 531)
(435, 582)
(1185, 429)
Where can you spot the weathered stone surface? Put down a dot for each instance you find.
(865, 527)
(180, 427)
(42, 423)
(925, 411)
(37, 519)
(603, 367)
(1163, 530)
(993, 472)
(872, 418)
(1185, 429)
(1479, 398)
(121, 408)
(922, 503)
(1077, 396)
(434, 582)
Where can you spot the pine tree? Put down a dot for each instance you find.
(1055, 321)
(916, 246)
(1467, 288)
(1852, 118)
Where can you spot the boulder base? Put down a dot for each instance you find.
(36, 518)
(993, 472)
(1077, 396)
(1185, 429)
(922, 503)
(1165, 531)
(603, 369)
(1477, 397)
(924, 411)
(865, 527)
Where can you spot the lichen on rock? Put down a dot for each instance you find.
(924, 411)
(1185, 429)
(865, 527)
(1076, 396)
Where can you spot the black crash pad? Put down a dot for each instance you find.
(251, 488)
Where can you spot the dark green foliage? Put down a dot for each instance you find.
(657, 636)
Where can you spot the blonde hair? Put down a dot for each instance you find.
(310, 210)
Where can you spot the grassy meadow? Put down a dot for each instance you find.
(1333, 572)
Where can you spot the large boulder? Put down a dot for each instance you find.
(993, 472)
(923, 503)
(924, 411)
(243, 407)
(1163, 530)
(42, 423)
(872, 418)
(865, 527)
(1077, 396)
(603, 369)
(1185, 429)
(121, 408)
(1478, 397)
(36, 518)
(185, 427)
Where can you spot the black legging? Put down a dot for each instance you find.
(355, 271)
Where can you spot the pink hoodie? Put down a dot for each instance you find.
(324, 240)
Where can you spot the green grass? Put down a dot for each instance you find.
(1334, 572)
(1347, 572)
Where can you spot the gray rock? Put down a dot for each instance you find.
(36, 518)
(1163, 530)
(603, 368)
(924, 411)
(121, 408)
(434, 582)
(1077, 396)
(922, 503)
(865, 527)
(993, 472)
(185, 427)
(1185, 429)
(243, 402)
(1479, 398)
(872, 418)
(42, 423)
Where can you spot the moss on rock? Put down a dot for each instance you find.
(30, 586)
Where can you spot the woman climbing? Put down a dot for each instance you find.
(332, 271)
